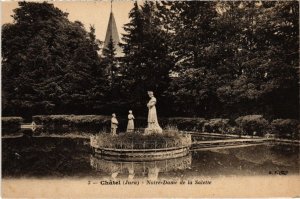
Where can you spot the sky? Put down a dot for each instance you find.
(88, 12)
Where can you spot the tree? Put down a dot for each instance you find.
(234, 58)
(147, 59)
(197, 51)
(114, 101)
(49, 63)
(268, 43)
(109, 60)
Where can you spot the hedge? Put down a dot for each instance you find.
(285, 128)
(100, 122)
(178, 123)
(11, 124)
(253, 125)
(217, 125)
(71, 122)
(184, 124)
(246, 125)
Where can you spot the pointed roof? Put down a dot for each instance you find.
(112, 32)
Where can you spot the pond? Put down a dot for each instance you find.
(44, 156)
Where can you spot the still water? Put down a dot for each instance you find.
(59, 157)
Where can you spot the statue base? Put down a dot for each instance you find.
(157, 130)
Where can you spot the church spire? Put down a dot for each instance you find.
(111, 6)
(112, 32)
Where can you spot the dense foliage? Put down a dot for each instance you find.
(208, 59)
(49, 63)
(236, 58)
(224, 58)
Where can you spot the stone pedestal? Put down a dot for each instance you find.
(150, 130)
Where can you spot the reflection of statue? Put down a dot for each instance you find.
(153, 173)
(153, 126)
(130, 125)
(131, 173)
(148, 169)
(115, 175)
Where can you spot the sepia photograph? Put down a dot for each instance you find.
(150, 99)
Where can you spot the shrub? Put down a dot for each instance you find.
(186, 124)
(217, 125)
(170, 128)
(11, 124)
(252, 124)
(141, 141)
(285, 128)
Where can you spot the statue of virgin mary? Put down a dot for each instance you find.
(153, 126)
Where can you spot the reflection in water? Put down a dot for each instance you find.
(252, 160)
(31, 156)
(281, 155)
(149, 169)
(277, 155)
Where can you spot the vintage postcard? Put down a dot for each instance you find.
(150, 99)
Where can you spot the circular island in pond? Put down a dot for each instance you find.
(153, 144)
(142, 147)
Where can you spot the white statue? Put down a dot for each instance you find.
(153, 126)
(114, 124)
(130, 125)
